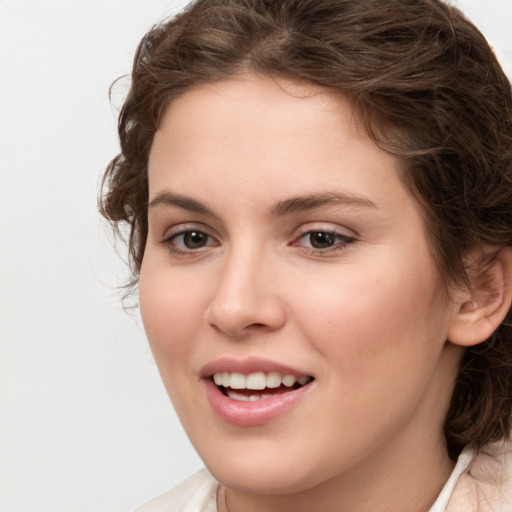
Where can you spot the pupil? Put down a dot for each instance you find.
(321, 240)
(194, 240)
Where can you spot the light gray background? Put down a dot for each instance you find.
(85, 424)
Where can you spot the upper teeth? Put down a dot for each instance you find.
(258, 380)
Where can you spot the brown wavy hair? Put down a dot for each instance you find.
(428, 89)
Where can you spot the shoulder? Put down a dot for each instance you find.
(486, 483)
(196, 494)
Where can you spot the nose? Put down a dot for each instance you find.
(247, 298)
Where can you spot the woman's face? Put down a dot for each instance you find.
(288, 292)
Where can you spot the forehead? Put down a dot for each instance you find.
(245, 92)
(249, 127)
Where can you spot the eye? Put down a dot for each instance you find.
(188, 241)
(191, 239)
(322, 241)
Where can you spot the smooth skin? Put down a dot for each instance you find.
(279, 230)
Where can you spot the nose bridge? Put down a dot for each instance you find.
(245, 295)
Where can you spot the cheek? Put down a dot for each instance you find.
(171, 311)
(380, 342)
(384, 317)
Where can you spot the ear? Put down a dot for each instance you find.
(481, 309)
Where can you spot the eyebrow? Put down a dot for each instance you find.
(287, 206)
(309, 202)
(187, 203)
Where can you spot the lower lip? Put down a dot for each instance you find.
(252, 414)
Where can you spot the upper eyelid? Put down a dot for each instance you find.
(188, 226)
(329, 231)
(328, 227)
(344, 238)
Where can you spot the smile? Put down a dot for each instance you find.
(254, 392)
(246, 388)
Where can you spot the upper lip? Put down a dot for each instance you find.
(247, 366)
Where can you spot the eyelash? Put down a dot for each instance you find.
(169, 242)
(340, 242)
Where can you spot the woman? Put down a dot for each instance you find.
(320, 209)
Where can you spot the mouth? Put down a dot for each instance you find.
(255, 391)
(257, 386)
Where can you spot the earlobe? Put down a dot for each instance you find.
(480, 310)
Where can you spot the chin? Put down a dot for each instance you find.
(251, 478)
(264, 467)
